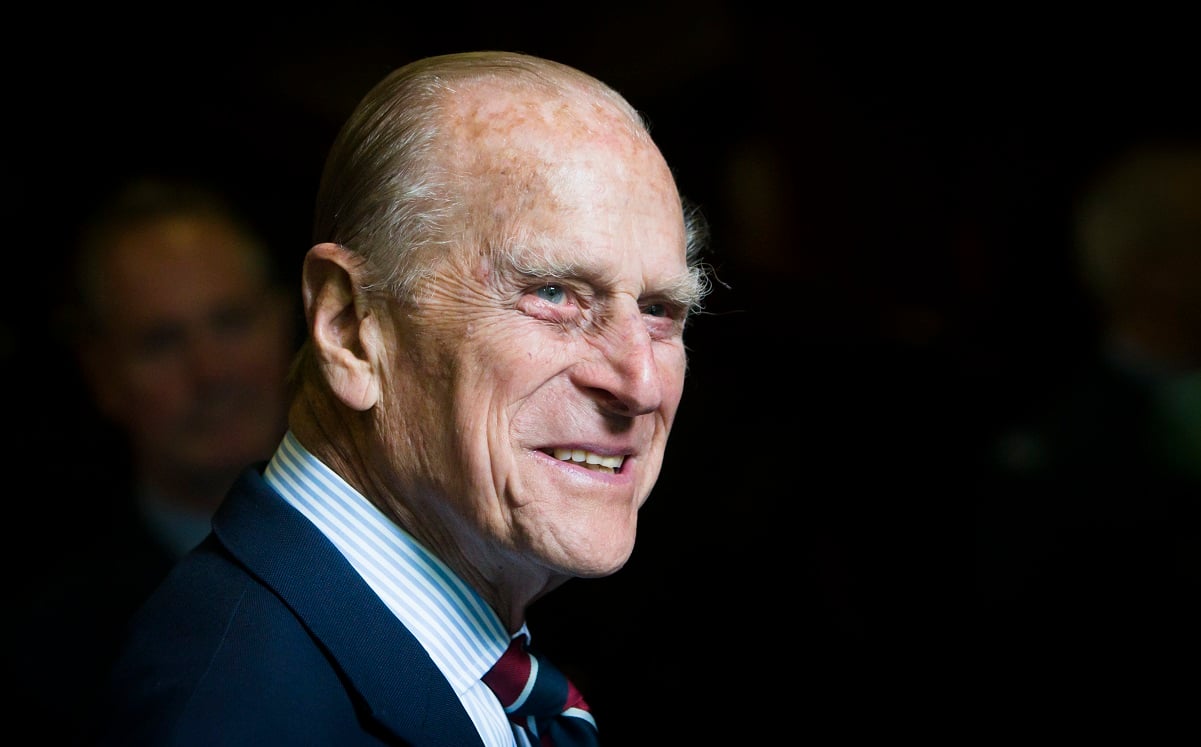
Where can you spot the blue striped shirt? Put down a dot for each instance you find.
(461, 633)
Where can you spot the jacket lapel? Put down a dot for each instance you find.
(382, 661)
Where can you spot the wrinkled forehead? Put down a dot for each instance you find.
(525, 152)
(507, 128)
(492, 112)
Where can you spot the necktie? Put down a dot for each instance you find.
(540, 699)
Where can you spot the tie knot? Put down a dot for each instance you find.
(539, 698)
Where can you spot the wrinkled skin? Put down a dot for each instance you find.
(554, 321)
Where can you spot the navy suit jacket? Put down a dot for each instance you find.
(265, 635)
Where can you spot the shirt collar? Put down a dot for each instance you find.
(461, 633)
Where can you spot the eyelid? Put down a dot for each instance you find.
(672, 309)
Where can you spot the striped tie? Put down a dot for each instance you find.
(539, 699)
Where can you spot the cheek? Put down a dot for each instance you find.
(504, 384)
(672, 365)
(165, 386)
(154, 406)
(519, 357)
(268, 346)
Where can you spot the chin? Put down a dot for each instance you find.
(597, 562)
(599, 572)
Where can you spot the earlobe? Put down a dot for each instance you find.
(344, 333)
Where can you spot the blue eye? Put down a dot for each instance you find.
(655, 309)
(552, 293)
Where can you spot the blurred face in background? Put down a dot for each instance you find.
(192, 349)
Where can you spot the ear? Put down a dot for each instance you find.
(344, 332)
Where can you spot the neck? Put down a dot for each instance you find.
(347, 443)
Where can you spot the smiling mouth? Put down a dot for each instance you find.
(596, 462)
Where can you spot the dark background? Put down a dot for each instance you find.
(889, 200)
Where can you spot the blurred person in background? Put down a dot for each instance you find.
(183, 335)
(1090, 525)
(495, 298)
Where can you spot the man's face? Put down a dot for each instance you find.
(194, 350)
(545, 355)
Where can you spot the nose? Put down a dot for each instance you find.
(209, 356)
(624, 375)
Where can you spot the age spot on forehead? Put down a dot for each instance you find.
(531, 153)
(541, 120)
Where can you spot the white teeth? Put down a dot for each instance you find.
(587, 457)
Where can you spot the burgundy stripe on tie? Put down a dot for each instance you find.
(538, 698)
